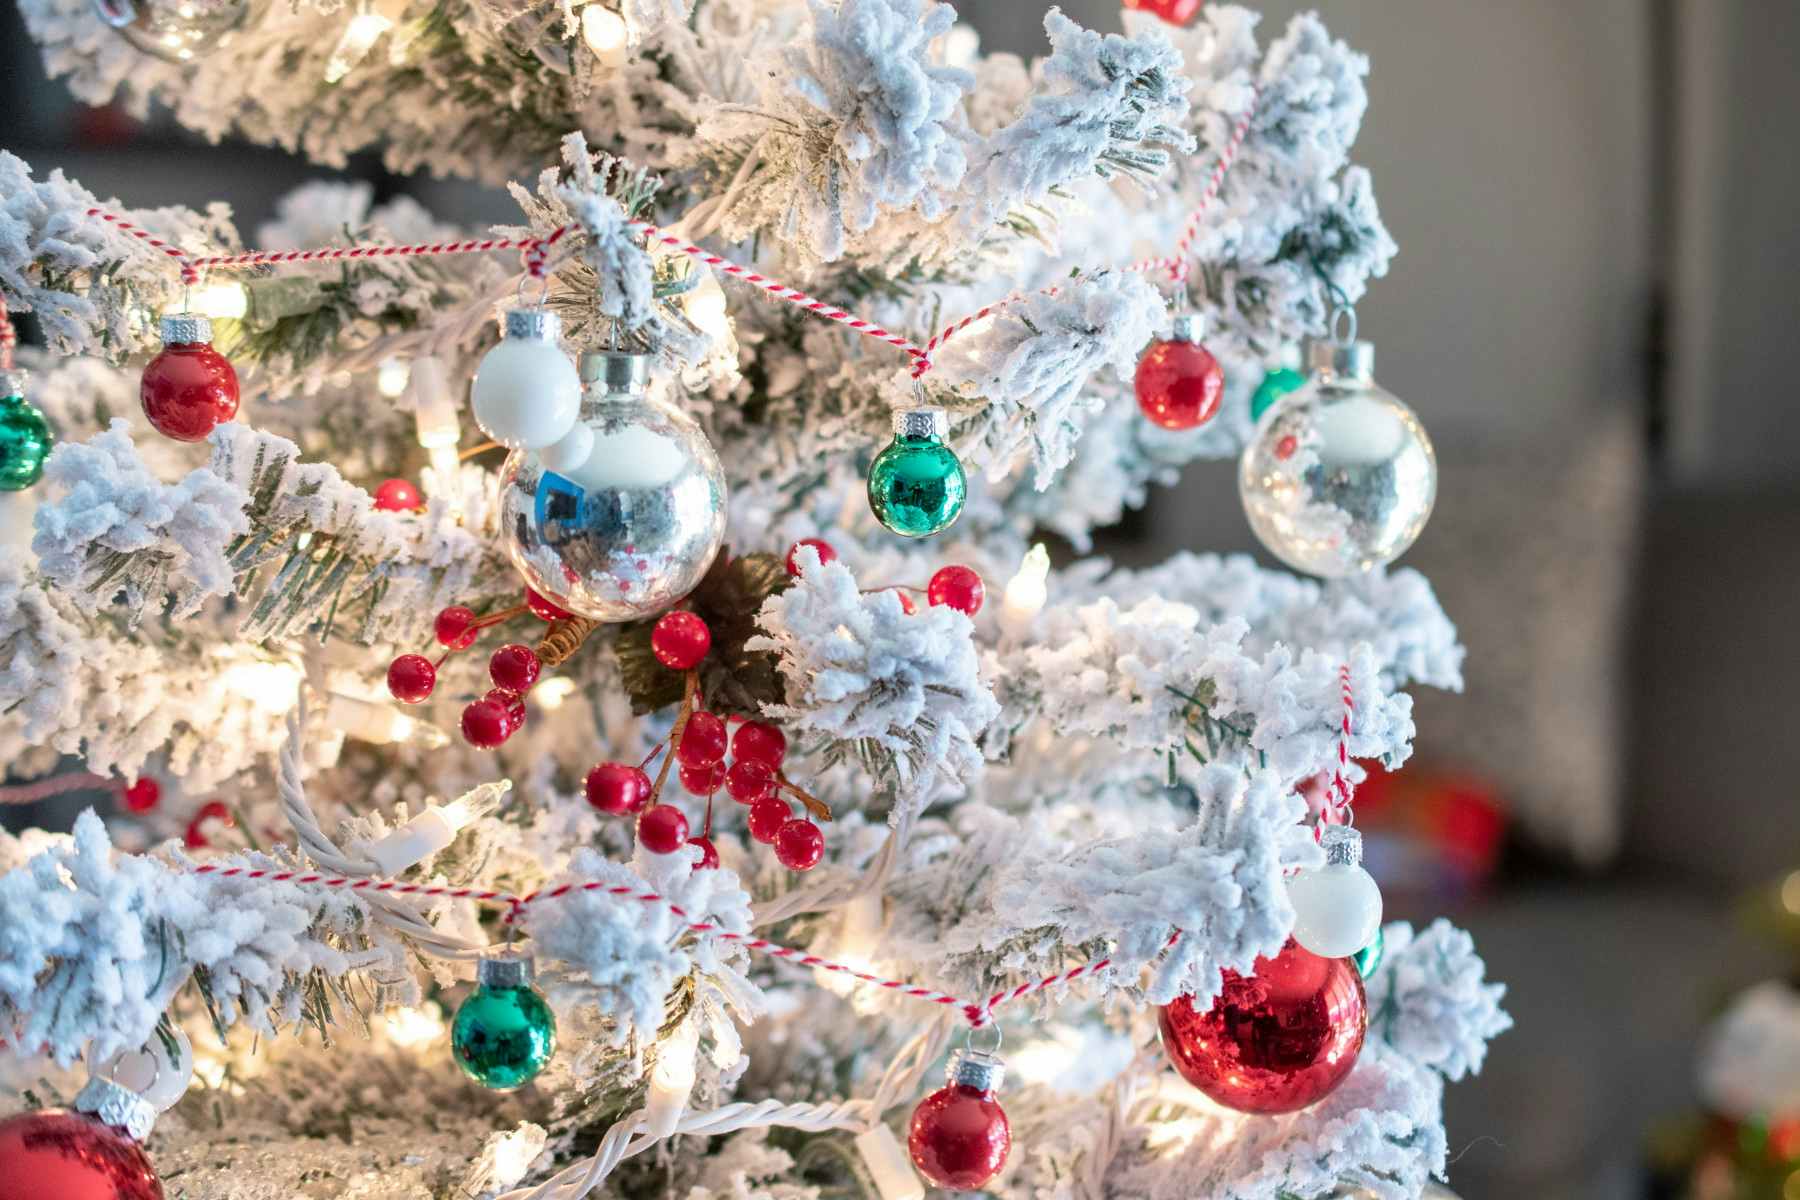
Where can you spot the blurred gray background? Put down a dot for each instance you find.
(1591, 310)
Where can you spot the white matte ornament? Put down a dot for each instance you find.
(1337, 907)
(571, 453)
(1340, 476)
(527, 392)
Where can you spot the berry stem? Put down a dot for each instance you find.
(689, 692)
(651, 757)
(505, 614)
(814, 805)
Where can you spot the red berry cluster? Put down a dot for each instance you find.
(489, 721)
(754, 779)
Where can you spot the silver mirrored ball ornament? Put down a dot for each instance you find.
(629, 531)
(1340, 476)
(176, 30)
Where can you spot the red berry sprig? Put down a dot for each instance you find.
(958, 587)
(680, 640)
(398, 495)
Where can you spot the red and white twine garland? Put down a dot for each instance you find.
(977, 1014)
(536, 253)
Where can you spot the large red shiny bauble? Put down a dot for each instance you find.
(188, 389)
(1274, 1041)
(1175, 12)
(1179, 384)
(54, 1152)
(959, 1137)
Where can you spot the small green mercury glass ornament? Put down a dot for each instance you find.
(1369, 957)
(1275, 384)
(504, 1033)
(25, 437)
(916, 484)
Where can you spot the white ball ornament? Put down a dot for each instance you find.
(527, 392)
(631, 527)
(1340, 476)
(1337, 907)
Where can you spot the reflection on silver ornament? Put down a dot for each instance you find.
(177, 30)
(631, 529)
(1340, 476)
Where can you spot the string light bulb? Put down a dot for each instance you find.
(1027, 591)
(855, 944)
(391, 377)
(379, 724)
(604, 32)
(435, 828)
(358, 38)
(224, 300)
(705, 306)
(671, 1080)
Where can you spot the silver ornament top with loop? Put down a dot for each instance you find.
(977, 1069)
(116, 1105)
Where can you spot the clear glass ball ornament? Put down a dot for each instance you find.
(628, 531)
(1340, 476)
(175, 30)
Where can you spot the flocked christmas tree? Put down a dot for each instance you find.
(609, 654)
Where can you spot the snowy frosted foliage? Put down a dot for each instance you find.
(1430, 1001)
(626, 956)
(856, 119)
(94, 945)
(1030, 365)
(117, 527)
(859, 669)
(1749, 1065)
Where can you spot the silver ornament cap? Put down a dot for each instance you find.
(1188, 327)
(533, 324)
(924, 421)
(506, 971)
(615, 370)
(977, 1069)
(181, 329)
(1342, 360)
(116, 1105)
(13, 381)
(1342, 845)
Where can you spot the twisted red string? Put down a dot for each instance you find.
(1337, 793)
(189, 273)
(9, 337)
(976, 1014)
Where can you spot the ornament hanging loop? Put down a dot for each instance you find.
(1342, 324)
(987, 1025)
(543, 281)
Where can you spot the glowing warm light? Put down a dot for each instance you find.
(360, 35)
(855, 945)
(705, 307)
(408, 1027)
(604, 32)
(225, 300)
(1027, 591)
(1790, 893)
(434, 408)
(379, 724)
(672, 1079)
(434, 829)
(550, 694)
(266, 684)
(515, 1151)
(391, 377)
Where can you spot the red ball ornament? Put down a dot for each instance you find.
(53, 1152)
(1179, 382)
(826, 554)
(759, 741)
(709, 854)
(1175, 12)
(703, 741)
(680, 640)
(616, 787)
(1275, 1041)
(799, 844)
(543, 608)
(189, 387)
(704, 781)
(957, 587)
(767, 817)
(663, 830)
(411, 678)
(143, 795)
(959, 1136)
(486, 724)
(213, 810)
(455, 627)
(749, 781)
(514, 667)
(398, 495)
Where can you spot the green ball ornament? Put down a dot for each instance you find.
(1369, 957)
(916, 484)
(504, 1033)
(1275, 384)
(25, 437)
